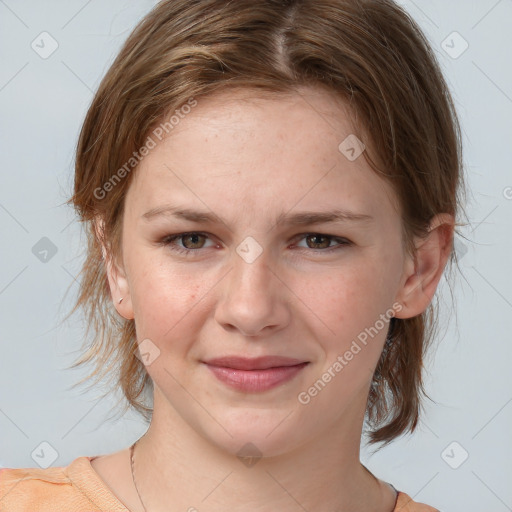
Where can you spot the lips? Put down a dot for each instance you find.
(258, 363)
(256, 374)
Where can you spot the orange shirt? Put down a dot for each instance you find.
(78, 488)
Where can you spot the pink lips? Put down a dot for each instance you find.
(258, 374)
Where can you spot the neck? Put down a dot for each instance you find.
(176, 468)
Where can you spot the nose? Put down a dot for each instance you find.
(252, 298)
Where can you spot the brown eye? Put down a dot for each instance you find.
(192, 240)
(318, 241)
(321, 243)
(188, 244)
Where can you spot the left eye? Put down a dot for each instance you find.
(324, 241)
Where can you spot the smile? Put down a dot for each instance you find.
(256, 380)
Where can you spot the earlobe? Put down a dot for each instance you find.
(118, 283)
(422, 275)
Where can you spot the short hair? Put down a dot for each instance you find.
(369, 53)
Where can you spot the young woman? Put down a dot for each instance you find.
(270, 191)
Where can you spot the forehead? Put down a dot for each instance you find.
(252, 149)
(270, 114)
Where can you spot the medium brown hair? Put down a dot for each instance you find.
(368, 53)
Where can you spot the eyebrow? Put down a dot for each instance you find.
(284, 219)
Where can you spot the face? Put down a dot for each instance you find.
(220, 259)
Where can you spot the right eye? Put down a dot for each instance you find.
(188, 241)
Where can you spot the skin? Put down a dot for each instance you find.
(247, 160)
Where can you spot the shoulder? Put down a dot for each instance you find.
(73, 487)
(405, 503)
(23, 488)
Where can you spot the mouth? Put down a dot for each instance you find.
(256, 374)
(256, 363)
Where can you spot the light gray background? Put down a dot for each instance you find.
(42, 105)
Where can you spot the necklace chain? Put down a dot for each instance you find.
(132, 449)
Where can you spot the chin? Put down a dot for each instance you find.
(256, 435)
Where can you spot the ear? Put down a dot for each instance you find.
(422, 274)
(117, 280)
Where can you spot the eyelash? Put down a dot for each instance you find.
(167, 241)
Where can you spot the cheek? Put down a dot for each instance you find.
(354, 308)
(164, 297)
(350, 305)
(346, 297)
